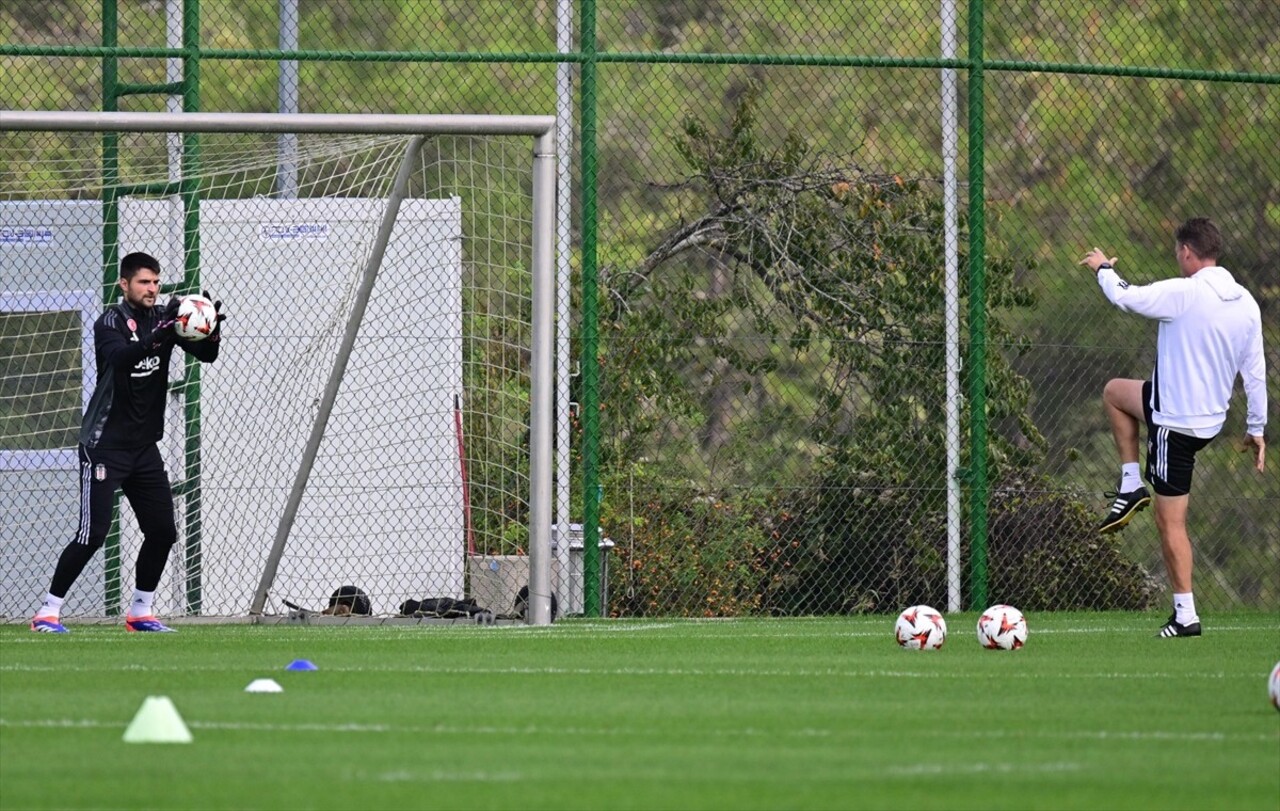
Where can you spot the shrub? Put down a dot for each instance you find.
(1045, 552)
(683, 551)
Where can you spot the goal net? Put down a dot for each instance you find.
(380, 413)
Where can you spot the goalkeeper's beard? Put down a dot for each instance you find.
(145, 301)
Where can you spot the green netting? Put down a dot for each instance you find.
(766, 361)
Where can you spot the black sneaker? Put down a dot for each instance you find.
(1172, 628)
(1123, 508)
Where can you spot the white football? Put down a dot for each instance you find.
(1002, 627)
(920, 628)
(1273, 686)
(196, 318)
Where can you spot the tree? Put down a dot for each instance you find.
(837, 273)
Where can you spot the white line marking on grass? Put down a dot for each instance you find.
(730, 631)
(432, 776)
(947, 769)
(627, 672)
(59, 723)
(627, 627)
(648, 732)
(79, 638)
(702, 630)
(1110, 735)
(1144, 736)
(1148, 629)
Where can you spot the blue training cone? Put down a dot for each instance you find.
(301, 664)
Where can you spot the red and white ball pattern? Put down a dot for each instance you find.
(196, 319)
(1002, 627)
(920, 628)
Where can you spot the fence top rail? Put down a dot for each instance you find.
(375, 123)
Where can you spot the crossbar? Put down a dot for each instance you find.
(533, 125)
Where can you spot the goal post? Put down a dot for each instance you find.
(392, 220)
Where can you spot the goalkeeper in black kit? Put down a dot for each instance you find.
(133, 341)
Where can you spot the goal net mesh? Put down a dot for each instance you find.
(423, 465)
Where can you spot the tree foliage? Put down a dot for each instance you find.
(839, 271)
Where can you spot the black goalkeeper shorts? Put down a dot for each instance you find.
(1171, 456)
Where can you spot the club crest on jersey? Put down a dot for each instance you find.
(99, 473)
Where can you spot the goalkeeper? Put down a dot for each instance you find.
(133, 341)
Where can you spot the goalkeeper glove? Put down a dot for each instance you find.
(164, 334)
(171, 309)
(220, 316)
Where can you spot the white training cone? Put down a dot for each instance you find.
(264, 686)
(157, 721)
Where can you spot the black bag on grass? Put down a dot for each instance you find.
(349, 600)
(522, 604)
(441, 608)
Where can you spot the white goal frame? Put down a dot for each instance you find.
(542, 131)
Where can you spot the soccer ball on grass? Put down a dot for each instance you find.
(1002, 627)
(920, 628)
(196, 319)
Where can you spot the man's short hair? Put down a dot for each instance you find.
(135, 262)
(1201, 236)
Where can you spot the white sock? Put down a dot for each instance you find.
(1130, 478)
(1184, 609)
(141, 605)
(51, 607)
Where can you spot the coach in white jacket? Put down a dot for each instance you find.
(1210, 331)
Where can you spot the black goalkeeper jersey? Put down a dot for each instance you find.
(127, 407)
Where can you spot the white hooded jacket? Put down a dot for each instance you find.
(1210, 330)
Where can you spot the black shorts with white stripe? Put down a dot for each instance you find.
(1171, 456)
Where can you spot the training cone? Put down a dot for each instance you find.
(301, 664)
(264, 686)
(157, 721)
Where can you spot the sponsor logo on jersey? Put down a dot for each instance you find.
(146, 367)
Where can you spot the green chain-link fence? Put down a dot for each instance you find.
(779, 356)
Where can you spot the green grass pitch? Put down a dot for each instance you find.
(763, 713)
